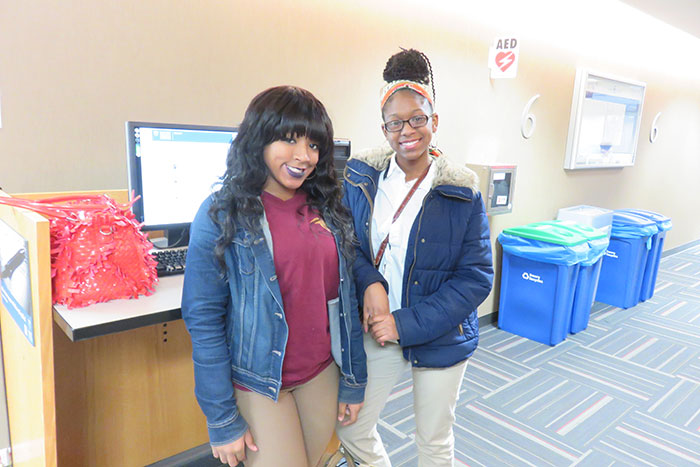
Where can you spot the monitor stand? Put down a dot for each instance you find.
(173, 238)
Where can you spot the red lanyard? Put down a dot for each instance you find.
(385, 242)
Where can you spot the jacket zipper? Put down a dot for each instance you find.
(415, 246)
(415, 249)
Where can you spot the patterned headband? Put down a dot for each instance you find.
(389, 89)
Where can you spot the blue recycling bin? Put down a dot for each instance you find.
(538, 280)
(588, 273)
(587, 285)
(624, 261)
(651, 269)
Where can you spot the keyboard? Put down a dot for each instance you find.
(170, 260)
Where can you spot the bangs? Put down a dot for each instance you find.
(301, 117)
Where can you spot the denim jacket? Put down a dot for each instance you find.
(238, 327)
(448, 270)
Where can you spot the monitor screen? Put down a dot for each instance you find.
(174, 168)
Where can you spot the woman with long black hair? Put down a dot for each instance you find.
(268, 297)
(423, 266)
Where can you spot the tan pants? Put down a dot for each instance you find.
(295, 430)
(435, 394)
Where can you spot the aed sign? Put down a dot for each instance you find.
(503, 57)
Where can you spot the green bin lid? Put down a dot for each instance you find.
(547, 232)
(590, 233)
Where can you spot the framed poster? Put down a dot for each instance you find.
(606, 113)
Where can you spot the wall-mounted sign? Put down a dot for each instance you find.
(654, 132)
(15, 283)
(528, 118)
(503, 57)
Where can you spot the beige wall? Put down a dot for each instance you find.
(72, 72)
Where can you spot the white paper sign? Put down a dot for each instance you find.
(503, 57)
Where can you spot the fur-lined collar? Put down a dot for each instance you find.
(447, 173)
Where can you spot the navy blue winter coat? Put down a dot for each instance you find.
(448, 270)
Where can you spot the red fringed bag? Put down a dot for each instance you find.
(98, 252)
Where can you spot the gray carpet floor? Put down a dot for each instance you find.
(623, 392)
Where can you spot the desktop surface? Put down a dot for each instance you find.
(123, 314)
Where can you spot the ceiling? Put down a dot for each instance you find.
(683, 14)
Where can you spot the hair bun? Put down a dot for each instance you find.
(409, 65)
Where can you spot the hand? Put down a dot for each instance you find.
(349, 412)
(376, 303)
(234, 452)
(383, 328)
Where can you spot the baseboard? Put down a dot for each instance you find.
(679, 249)
(491, 318)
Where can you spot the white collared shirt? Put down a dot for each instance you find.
(391, 192)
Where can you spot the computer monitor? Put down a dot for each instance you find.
(173, 168)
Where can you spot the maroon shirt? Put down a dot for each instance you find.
(306, 263)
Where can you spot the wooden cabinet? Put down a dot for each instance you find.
(120, 394)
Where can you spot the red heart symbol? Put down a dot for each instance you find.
(504, 60)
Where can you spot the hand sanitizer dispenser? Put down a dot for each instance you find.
(496, 183)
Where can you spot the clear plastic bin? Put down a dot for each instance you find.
(593, 216)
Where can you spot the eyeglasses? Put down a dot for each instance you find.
(417, 121)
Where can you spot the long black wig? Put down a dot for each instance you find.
(274, 115)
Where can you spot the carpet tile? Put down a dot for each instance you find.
(625, 391)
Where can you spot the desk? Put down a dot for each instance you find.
(124, 381)
(122, 315)
(111, 384)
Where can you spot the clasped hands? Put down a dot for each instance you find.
(376, 317)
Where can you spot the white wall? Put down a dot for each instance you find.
(73, 72)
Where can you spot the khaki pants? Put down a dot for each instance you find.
(435, 394)
(294, 431)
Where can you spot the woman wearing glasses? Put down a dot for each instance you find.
(423, 266)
